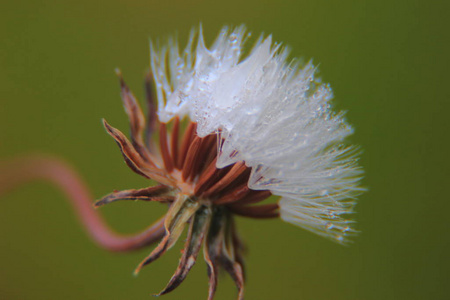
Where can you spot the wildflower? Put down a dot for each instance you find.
(230, 130)
(257, 126)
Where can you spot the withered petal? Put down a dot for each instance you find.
(191, 158)
(236, 170)
(189, 134)
(164, 147)
(174, 141)
(203, 157)
(206, 179)
(235, 195)
(254, 197)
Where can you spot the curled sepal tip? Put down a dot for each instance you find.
(213, 247)
(197, 231)
(157, 193)
(177, 217)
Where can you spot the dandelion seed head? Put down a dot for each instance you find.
(272, 113)
(257, 125)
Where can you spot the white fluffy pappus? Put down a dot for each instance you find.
(273, 114)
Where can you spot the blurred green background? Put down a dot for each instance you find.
(387, 62)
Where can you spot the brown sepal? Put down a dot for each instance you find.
(132, 157)
(177, 217)
(236, 272)
(228, 257)
(238, 246)
(151, 110)
(197, 232)
(154, 193)
(257, 211)
(136, 119)
(213, 247)
(133, 110)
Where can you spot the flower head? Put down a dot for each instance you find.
(256, 126)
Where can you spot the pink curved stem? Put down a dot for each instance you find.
(24, 169)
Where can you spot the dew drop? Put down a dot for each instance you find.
(233, 38)
(331, 214)
(323, 193)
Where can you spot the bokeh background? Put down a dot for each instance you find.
(387, 62)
